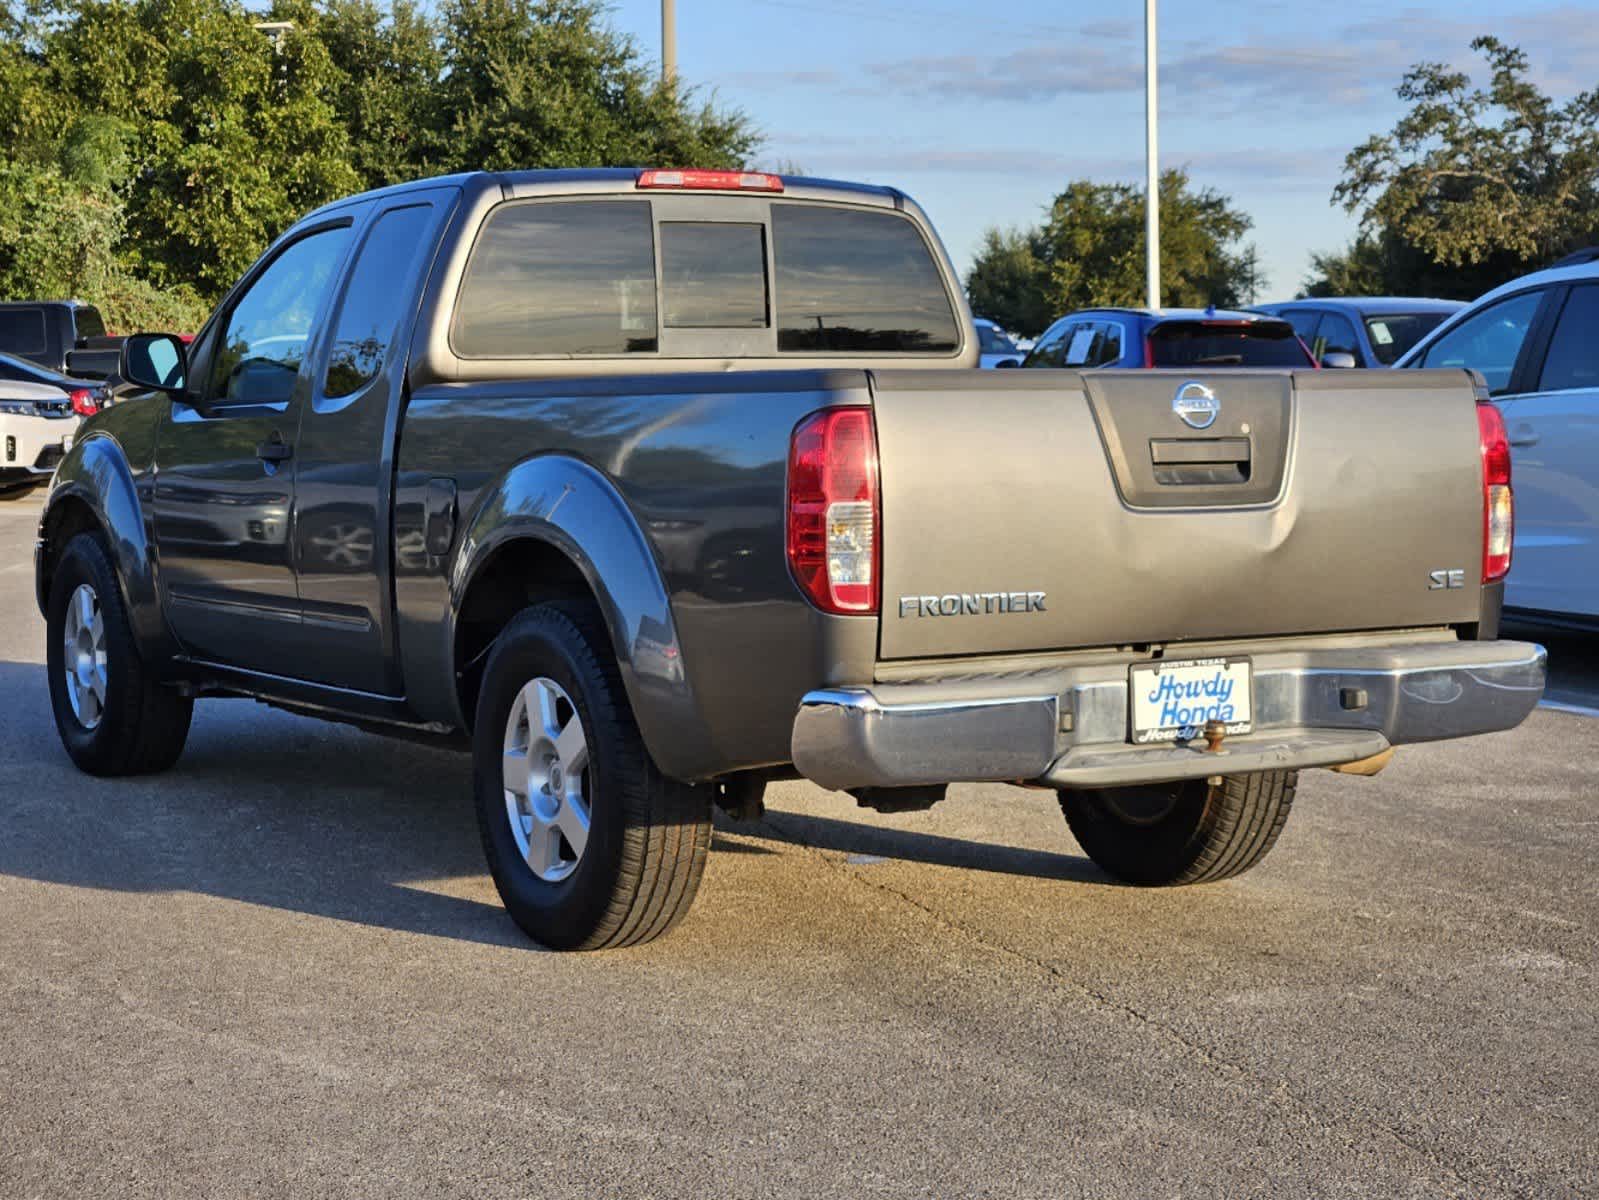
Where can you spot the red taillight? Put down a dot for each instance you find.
(1498, 503)
(717, 181)
(834, 510)
(1149, 352)
(84, 402)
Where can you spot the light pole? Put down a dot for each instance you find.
(1151, 163)
(276, 30)
(668, 40)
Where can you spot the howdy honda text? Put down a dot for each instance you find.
(971, 604)
(1190, 703)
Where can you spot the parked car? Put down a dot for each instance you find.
(1536, 343)
(1363, 331)
(87, 395)
(996, 347)
(66, 336)
(669, 483)
(37, 424)
(1172, 337)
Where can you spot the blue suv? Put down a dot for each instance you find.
(1168, 337)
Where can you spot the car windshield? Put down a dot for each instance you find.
(1394, 333)
(1232, 344)
(995, 341)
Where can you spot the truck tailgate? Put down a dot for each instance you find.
(1041, 510)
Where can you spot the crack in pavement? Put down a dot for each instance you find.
(1308, 1114)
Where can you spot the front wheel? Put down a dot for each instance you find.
(114, 716)
(589, 844)
(1192, 831)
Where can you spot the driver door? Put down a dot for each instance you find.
(224, 498)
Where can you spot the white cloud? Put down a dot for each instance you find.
(1356, 66)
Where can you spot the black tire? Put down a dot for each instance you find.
(1169, 834)
(648, 835)
(144, 724)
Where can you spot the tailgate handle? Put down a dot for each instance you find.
(1180, 461)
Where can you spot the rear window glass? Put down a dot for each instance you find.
(1392, 334)
(1195, 344)
(1303, 320)
(1488, 341)
(713, 275)
(87, 319)
(562, 278)
(22, 331)
(1573, 360)
(855, 282)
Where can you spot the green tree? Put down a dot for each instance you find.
(61, 225)
(232, 137)
(391, 63)
(546, 83)
(193, 138)
(1484, 183)
(1090, 251)
(57, 238)
(1384, 264)
(1008, 283)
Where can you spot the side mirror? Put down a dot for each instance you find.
(157, 361)
(1339, 360)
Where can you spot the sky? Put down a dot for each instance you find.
(983, 114)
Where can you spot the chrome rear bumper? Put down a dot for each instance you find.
(1068, 726)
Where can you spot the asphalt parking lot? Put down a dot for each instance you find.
(282, 970)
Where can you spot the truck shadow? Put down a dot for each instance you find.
(263, 808)
(905, 845)
(289, 813)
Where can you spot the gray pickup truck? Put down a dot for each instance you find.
(651, 487)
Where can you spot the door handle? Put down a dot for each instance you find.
(1524, 435)
(274, 450)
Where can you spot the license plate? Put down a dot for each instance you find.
(1172, 701)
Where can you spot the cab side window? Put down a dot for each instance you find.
(378, 292)
(264, 342)
(1108, 346)
(1304, 322)
(1080, 339)
(1489, 340)
(1336, 335)
(1050, 350)
(1573, 359)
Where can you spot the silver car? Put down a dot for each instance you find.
(1536, 341)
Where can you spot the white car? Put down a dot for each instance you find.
(996, 347)
(1536, 341)
(37, 425)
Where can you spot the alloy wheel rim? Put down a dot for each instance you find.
(83, 661)
(545, 775)
(344, 545)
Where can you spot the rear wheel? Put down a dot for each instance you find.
(1192, 831)
(113, 715)
(589, 844)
